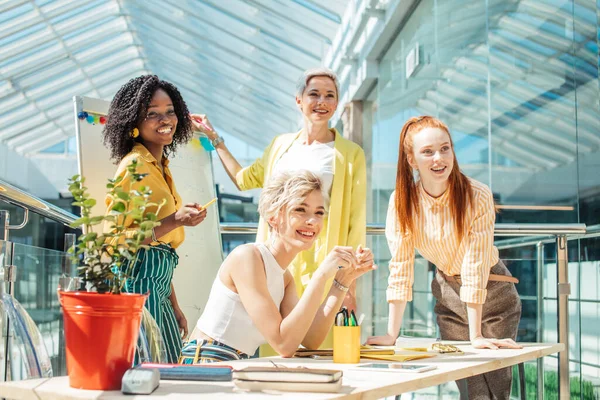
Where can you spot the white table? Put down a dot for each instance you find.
(356, 384)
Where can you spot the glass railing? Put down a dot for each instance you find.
(36, 278)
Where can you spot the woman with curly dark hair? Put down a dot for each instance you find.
(147, 120)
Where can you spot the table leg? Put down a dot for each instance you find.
(521, 368)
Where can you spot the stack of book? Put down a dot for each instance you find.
(288, 379)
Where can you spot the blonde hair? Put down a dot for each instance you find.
(312, 73)
(286, 190)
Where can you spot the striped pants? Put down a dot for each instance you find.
(151, 272)
(500, 319)
(208, 352)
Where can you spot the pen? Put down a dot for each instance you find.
(360, 319)
(339, 319)
(353, 319)
(345, 313)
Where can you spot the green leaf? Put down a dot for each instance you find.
(89, 203)
(80, 221)
(123, 195)
(151, 216)
(96, 220)
(147, 225)
(119, 207)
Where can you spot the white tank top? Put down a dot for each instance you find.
(317, 158)
(226, 320)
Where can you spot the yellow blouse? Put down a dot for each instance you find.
(434, 237)
(162, 187)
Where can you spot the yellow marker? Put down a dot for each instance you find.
(209, 203)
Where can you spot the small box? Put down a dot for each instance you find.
(346, 344)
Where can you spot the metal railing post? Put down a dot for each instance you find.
(563, 290)
(4, 222)
(5, 267)
(540, 317)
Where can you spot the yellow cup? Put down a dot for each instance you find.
(346, 344)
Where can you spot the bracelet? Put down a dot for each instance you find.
(217, 141)
(154, 239)
(340, 286)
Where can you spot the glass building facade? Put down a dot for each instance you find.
(517, 84)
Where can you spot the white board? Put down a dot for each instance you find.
(200, 255)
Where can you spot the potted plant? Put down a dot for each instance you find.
(102, 323)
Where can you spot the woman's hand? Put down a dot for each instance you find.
(364, 263)
(350, 302)
(484, 343)
(202, 124)
(385, 340)
(190, 214)
(341, 257)
(181, 322)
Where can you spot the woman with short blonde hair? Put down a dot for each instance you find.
(253, 299)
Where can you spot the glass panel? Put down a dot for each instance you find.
(38, 272)
(533, 108)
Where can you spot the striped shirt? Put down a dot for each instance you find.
(434, 237)
(162, 187)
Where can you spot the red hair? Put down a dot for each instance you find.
(407, 197)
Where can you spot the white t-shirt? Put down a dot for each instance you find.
(316, 157)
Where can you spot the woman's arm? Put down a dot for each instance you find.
(401, 277)
(475, 271)
(395, 313)
(333, 301)
(190, 214)
(179, 315)
(284, 334)
(231, 165)
(474, 313)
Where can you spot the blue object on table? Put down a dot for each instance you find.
(192, 372)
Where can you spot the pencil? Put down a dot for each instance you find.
(209, 203)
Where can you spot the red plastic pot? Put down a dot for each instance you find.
(101, 332)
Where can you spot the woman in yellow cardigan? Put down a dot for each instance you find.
(339, 162)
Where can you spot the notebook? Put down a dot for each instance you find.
(192, 372)
(400, 356)
(288, 374)
(364, 351)
(316, 387)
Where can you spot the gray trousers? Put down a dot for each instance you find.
(500, 319)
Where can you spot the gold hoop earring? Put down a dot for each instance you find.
(135, 133)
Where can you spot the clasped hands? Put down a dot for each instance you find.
(346, 264)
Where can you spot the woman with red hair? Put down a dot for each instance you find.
(449, 218)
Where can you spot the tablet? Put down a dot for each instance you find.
(396, 367)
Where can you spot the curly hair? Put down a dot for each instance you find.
(129, 106)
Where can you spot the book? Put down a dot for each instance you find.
(288, 374)
(401, 356)
(316, 387)
(364, 351)
(196, 372)
(415, 343)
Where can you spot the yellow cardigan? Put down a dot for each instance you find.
(345, 224)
